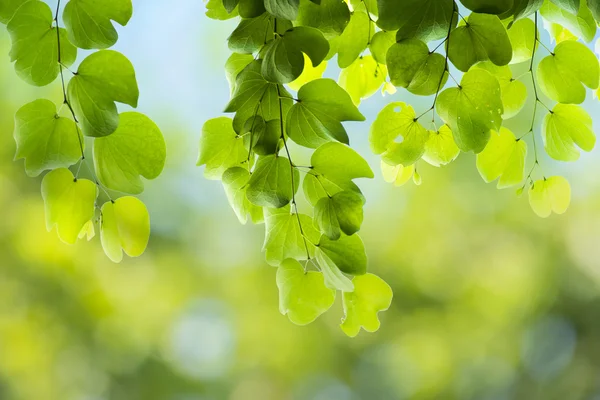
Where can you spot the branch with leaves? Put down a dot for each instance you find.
(416, 45)
(126, 146)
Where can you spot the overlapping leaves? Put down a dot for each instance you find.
(127, 146)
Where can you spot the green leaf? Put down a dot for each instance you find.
(523, 8)
(594, 6)
(316, 118)
(427, 20)
(514, 92)
(566, 128)
(414, 67)
(283, 237)
(8, 9)
(355, 38)
(550, 195)
(569, 5)
(380, 44)
(137, 148)
(488, 6)
(342, 212)
(309, 73)
(398, 120)
(35, 44)
(522, 39)
(370, 296)
(484, 37)
(472, 110)
(283, 59)
(399, 175)
(581, 23)
(330, 17)
(265, 136)
(347, 253)
(45, 140)
(317, 186)
(334, 278)
(363, 78)
(220, 147)
(215, 9)
(234, 65)
(103, 78)
(441, 149)
(235, 182)
(251, 8)
(69, 203)
(303, 296)
(562, 75)
(255, 96)
(273, 182)
(125, 227)
(251, 34)
(503, 157)
(339, 163)
(286, 9)
(89, 21)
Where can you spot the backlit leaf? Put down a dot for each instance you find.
(125, 227)
(137, 148)
(303, 297)
(45, 140)
(370, 296)
(69, 203)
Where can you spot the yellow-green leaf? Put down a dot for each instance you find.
(125, 227)
(370, 296)
(303, 296)
(504, 158)
(550, 195)
(69, 203)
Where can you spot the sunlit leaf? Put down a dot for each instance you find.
(283, 237)
(397, 174)
(89, 21)
(35, 44)
(503, 157)
(441, 149)
(421, 19)
(563, 74)
(125, 227)
(566, 128)
(220, 147)
(273, 182)
(309, 73)
(342, 212)
(316, 118)
(370, 296)
(551, 195)
(334, 278)
(45, 140)
(472, 110)
(398, 120)
(103, 78)
(414, 67)
(482, 38)
(303, 296)
(137, 148)
(69, 203)
(363, 78)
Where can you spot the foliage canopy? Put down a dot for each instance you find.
(480, 61)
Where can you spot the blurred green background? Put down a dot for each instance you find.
(490, 302)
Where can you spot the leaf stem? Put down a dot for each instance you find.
(292, 167)
(446, 69)
(62, 81)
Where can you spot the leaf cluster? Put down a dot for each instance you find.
(126, 146)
